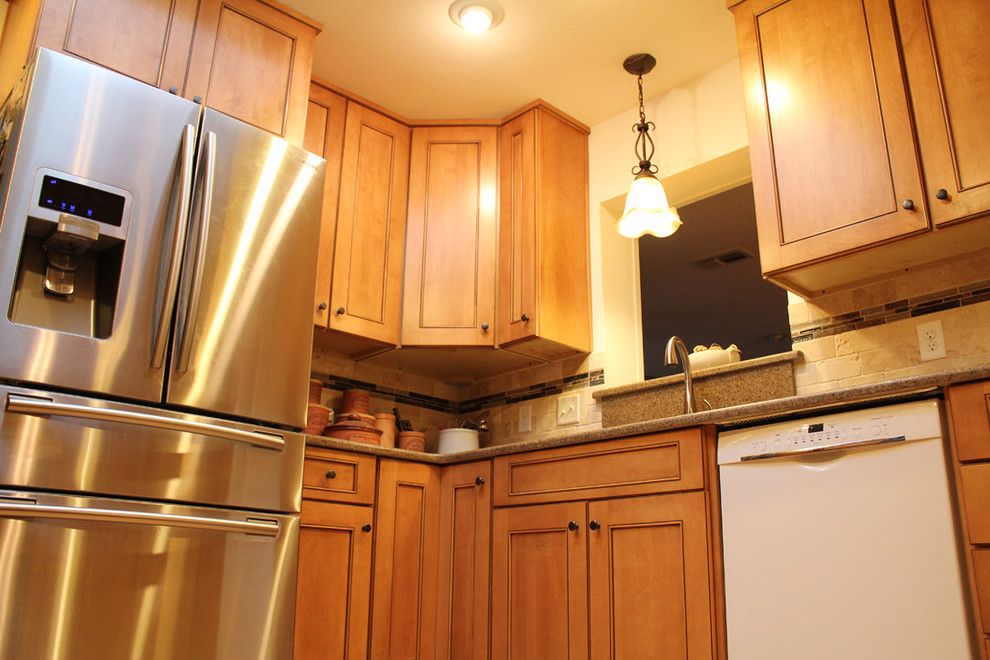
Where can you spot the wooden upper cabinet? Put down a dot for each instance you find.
(403, 623)
(148, 40)
(333, 587)
(831, 140)
(449, 293)
(324, 136)
(947, 60)
(540, 582)
(465, 535)
(544, 303)
(366, 290)
(252, 60)
(648, 567)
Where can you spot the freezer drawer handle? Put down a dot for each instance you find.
(804, 451)
(249, 526)
(38, 406)
(178, 245)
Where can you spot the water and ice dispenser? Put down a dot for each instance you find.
(68, 273)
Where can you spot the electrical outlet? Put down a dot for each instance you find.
(931, 341)
(569, 409)
(525, 420)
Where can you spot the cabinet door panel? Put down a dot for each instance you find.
(970, 406)
(451, 235)
(334, 583)
(325, 136)
(831, 140)
(252, 61)
(465, 535)
(539, 583)
(649, 581)
(948, 66)
(371, 224)
(517, 229)
(405, 590)
(148, 40)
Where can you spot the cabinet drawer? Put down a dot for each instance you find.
(976, 495)
(635, 466)
(338, 476)
(981, 568)
(969, 407)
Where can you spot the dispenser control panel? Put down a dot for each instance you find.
(84, 201)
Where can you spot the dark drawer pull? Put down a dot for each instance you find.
(331, 474)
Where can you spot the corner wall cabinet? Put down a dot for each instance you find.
(841, 196)
(250, 59)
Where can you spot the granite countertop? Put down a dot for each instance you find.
(750, 412)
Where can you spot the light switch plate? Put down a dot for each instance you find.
(525, 420)
(568, 409)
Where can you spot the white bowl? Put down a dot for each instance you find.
(454, 440)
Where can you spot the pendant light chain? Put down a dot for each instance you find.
(643, 139)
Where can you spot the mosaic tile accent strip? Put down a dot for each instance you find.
(550, 388)
(892, 311)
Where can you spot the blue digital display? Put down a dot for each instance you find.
(83, 201)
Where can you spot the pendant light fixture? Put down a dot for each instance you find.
(647, 210)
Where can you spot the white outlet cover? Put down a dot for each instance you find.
(931, 341)
(568, 409)
(525, 420)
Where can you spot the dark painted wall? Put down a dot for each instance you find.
(725, 304)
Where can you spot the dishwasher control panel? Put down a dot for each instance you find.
(910, 421)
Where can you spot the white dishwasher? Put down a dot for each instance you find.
(840, 541)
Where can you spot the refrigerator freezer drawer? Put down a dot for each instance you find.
(71, 443)
(101, 578)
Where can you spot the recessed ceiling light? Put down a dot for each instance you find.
(475, 15)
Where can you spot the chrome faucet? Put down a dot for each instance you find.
(676, 352)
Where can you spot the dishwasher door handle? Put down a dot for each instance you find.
(820, 449)
(37, 406)
(29, 509)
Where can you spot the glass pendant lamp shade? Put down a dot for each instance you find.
(647, 210)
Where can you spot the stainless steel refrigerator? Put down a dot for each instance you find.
(157, 267)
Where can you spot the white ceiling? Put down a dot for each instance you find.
(408, 56)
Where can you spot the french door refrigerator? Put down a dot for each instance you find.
(157, 264)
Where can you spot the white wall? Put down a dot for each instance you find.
(697, 122)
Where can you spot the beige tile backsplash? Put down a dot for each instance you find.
(890, 350)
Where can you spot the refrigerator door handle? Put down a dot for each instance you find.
(38, 406)
(29, 509)
(178, 245)
(188, 329)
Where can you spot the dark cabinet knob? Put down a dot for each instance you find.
(173, 90)
(573, 526)
(197, 99)
(942, 193)
(479, 481)
(340, 311)
(908, 204)
(525, 317)
(484, 327)
(366, 527)
(595, 525)
(322, 306)
(331, 474)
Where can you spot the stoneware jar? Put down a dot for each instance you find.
(412, 440)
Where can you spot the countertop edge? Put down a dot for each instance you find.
(750, 412)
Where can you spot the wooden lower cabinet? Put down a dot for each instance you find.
(333, 586)
(649, 587)
(405, 586)
(463, 580)
(540, 582)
